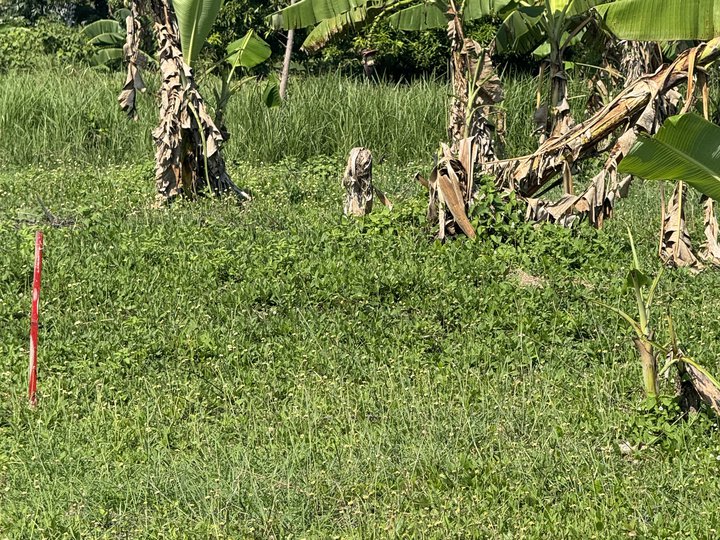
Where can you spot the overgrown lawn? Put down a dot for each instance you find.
(274, 370)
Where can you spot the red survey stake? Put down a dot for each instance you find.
(34, 317)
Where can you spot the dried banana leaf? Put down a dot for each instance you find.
(132, 55)
(676, 245)
(705, 384)
(710, 251)
(637, 105)
(449, 188)
(357, 182)
(597, 202)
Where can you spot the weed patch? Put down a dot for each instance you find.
(275, 369)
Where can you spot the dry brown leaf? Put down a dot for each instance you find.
(449, 188)
(384, 199)
(676, 247)
(132, 55)
(710, 251)
(419, 178)
(705, 387)
(598, 200)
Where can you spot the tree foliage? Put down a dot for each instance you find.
(69, 12)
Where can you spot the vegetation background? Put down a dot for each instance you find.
(400, 54)
(277, 371)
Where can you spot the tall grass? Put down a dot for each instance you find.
(76, 118)
(69, 114)
(329, 115)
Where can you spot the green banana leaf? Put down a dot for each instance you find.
(660, 20)
(108, 35)
(325, 30)
(248, 51)
(271, 93)
(115, 39)
(428, 15)
(572, 8)
(312, 12)
(477, 9)
(418, 15)
(121, 14)
(103, 57)
(522, 31)
(103, 27)
(195, 19)
(687, 148)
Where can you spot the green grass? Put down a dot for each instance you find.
(72, 114)
(273, 370)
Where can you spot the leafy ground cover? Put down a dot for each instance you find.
(276, 371)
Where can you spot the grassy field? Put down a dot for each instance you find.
(273, 370)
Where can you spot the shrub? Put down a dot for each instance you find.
(400, 54)
(65, 43)
(20, 48)
(23, 48)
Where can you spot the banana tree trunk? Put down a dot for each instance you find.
(649, 366)
(560, 119)
(358, 183)
(188, 157)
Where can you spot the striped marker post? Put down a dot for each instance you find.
(34, 312)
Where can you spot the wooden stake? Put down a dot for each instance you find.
(34, 317)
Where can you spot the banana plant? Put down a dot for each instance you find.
(188, 141)
(108, 37)
(695, 382)
(644, 291)
(547, 28)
